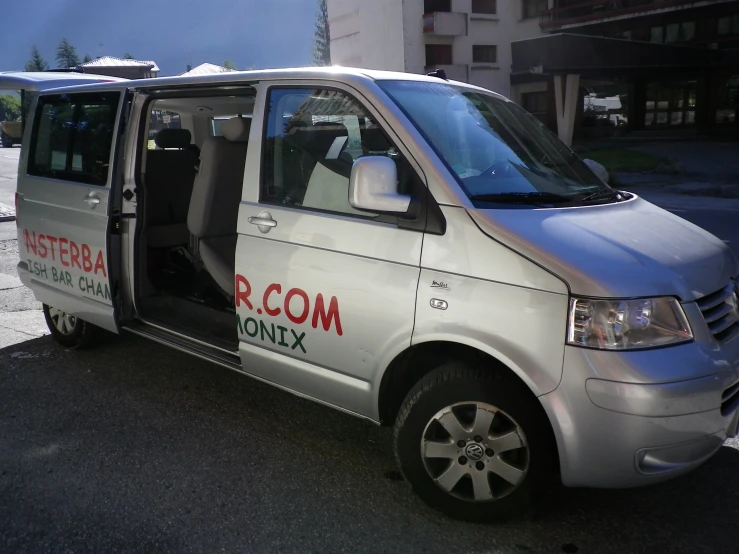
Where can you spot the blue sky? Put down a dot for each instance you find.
(258, 33)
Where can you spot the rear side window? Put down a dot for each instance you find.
(73, 136)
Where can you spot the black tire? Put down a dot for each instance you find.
(81, 334)
(460, 384)
(6, 141)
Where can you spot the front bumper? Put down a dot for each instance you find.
(634, 432)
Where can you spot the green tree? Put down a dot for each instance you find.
(66, 55)
(228, 64)
(10, 107)
(322, 37)
(37, 62)
(127, 56)
(87, 58)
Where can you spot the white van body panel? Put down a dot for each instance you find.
(364, 274)
(625, 250)
(497, 302)
(63, 238)
(35, 81)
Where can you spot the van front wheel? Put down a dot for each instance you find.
(472, 443)
(68, 330)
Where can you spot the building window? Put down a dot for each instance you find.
(438, 54)
(532, 8)
(724, 25)
(674, 32)
(484, 6)
(431, 6)
(484, 53)
(728, 100)
(670, 104)
(728, 25)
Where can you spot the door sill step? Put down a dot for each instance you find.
(208, 353)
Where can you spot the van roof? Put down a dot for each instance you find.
(41, 80)
(337, 73)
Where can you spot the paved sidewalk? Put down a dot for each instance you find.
(21, 318)
(7, 213)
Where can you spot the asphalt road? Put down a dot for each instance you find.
(135, 447)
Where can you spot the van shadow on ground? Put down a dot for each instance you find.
(136, 446)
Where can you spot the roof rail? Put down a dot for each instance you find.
(70, 70)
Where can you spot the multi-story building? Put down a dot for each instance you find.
(582, 66)
(469, 39)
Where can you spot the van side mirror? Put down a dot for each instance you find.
(373, 186)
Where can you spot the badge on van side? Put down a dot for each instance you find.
(440, 285)
(439, 304)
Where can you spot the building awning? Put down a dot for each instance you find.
(591, 56)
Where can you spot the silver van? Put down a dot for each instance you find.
(417, 252)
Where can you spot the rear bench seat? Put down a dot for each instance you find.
(170, 174)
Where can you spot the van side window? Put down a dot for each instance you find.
(72, 137)
(159, 120)
(313, 138)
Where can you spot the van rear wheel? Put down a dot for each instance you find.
(68, 330)
(472, 443)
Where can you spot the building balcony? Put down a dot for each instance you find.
(576, 13)
(448, 24)
(455, 72)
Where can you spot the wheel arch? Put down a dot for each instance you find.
(412, 364)
(415, 361)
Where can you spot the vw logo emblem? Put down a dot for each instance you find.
(474, 452)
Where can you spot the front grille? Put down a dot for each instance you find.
(720, 313)
(730, 399)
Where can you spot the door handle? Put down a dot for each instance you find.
(92, 200)
(263, 221)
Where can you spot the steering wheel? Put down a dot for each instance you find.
(498, 168)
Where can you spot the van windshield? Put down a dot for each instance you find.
(499, 152)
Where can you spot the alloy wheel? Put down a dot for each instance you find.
(63, 322)
(475, 451)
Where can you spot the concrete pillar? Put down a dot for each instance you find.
(566, 107)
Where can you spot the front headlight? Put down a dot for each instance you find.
(627, 324)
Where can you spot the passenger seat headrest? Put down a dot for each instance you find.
(173, 138)
(236, 129)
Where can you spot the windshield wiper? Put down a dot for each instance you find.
(534, 198)
(607, 194)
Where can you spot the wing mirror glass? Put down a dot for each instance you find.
(374, 186)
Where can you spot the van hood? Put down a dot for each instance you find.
(628, 249)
